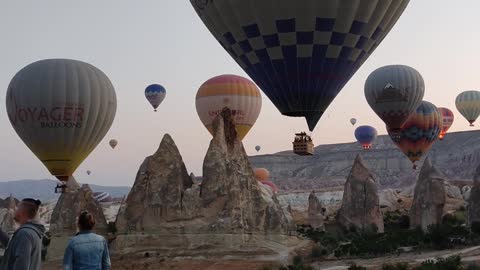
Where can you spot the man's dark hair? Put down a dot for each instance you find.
(31, 206)
(86, 221)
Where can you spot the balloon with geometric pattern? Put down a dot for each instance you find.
(468, 104)
(238, 94)
(301, 53)
(420, 132)
(155, 94)
(447, 121)
(394, 93)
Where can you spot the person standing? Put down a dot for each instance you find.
(23, 249)
(86, 250)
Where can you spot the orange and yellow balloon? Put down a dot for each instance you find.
(238, 94)
(419, 133)
(261, 174)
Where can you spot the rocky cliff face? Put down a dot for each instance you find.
(315, 212)
(229, 199)
(458, 155)
(429, 197)
(473, 213)
(70, 205)
(360, 204)
(7, 213)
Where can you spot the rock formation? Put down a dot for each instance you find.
(429, 197)
(315, 212)
(360, 204)
(228, 213)
(229, 200)
(7, 213)
(71, 204)
(473, 206)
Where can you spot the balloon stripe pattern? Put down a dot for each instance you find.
(155, 94)
(447, 121)
(420, 131)
(239, 94)
(394, 92)
(468, 104)
(300, 53)
(61, 109)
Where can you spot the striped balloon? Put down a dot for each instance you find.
(447, 121)
(102, 197)
(420, 132)
(468, 104)
(155, 94)
(366, 135)
(61, 109)
(301, 53)
(394, 92)
(238, 94)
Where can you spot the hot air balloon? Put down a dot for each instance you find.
(155, 94)
(61, 109)
(89, 172)
(394, 93)
(258, 148)
(468, 104)
(261, 174)
(420, 132)
(113, 143)
(271, 185)
(366, 135)
(447, 121)
(300, 53)
(353, 121)
(238, 94)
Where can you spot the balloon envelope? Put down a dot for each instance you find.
(353, 121)
(300, 53)
(155, 94)
(61, 109)
(420, 131)
(261, 174)
(394, 93)
(258, 148)
(366, 135)
(447, 121)
(271, 185)
(238, 94)
(468, 104)
(89, 172)
(113, 143)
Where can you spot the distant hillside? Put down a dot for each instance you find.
(458, 155)
(44, 189)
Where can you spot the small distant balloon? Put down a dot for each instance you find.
(155, 94)
(366, 135)
(258, 148)
(113, 143)
(353, 121)
(447, 119)
(89, 172)
(468, 104)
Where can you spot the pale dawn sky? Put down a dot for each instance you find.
(137, 43)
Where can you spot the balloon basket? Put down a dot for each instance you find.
(61, 188)
(303, 144)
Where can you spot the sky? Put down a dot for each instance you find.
(137, 43)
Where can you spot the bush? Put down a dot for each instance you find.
(356, 267)
(397, 266)
(450, 263)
